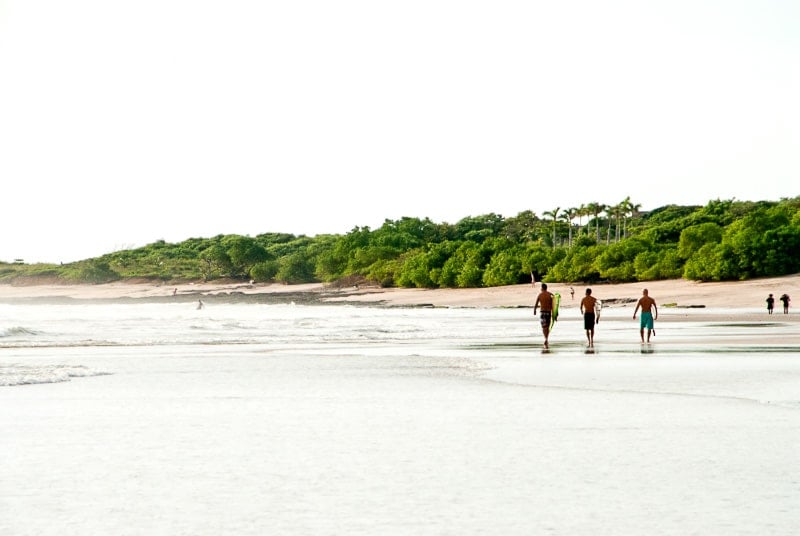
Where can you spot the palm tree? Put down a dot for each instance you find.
(620, 213)
(617, 217)
(553, 214)
(582, 211)
(632, 209)
(611, 211)
(568, 215)
(595, 209)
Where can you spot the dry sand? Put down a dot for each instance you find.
(730, 295)
(738, 297)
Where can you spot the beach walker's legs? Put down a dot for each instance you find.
(546, 332)
(641, 334)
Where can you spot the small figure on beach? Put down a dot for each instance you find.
(200, 304)
(785, 300)
(770, 304)
(588, 304)
(648, 306)
(545, 301)
(175, 292)
(572, 293)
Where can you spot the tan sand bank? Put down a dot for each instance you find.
(679, 293)
(676, 292)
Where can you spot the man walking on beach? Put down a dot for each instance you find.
(648, 306)
(770, 304)
(785, 299)
(545, 301)
(587, 310)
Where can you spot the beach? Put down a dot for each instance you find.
(309, 409)
(681, 293)
(676, 298)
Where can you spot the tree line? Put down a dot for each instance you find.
(723, 240)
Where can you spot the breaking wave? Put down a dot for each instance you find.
(17, 331)
(11, 375)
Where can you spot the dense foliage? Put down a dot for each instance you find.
(723, 240)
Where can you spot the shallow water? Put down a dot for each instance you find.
(276, 419)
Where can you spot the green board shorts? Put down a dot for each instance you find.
(646, 320)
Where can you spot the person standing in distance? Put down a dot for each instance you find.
(648, 306)
(785, 300)
(545, 301)
(770, 304)
(587, 310)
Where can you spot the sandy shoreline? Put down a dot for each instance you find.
(672, 296)
(742, 302)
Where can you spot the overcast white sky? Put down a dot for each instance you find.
(126, 122)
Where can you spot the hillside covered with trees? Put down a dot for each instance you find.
(723, 240)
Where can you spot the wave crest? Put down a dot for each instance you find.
(17, 331)
(11, 375)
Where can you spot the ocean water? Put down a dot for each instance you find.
(252, 419)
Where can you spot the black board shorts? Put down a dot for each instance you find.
(544, 318)
(588, 320)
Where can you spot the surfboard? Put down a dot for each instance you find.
(554, 315)
(598, 307)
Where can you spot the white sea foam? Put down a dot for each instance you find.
(17, 331)
(16, 374)
(254, 419)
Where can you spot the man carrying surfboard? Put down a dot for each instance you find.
(588, 310)
(544, 301)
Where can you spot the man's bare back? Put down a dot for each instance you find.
(544, 301)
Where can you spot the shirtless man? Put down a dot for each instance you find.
(545, 301)
(587, 310)
(648, 306)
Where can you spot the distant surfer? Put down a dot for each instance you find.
(648, 306)
(785, 300)
(770, 304)
(175, 292)
(588, 307)
(572, 293)
(200, 304)
(545, 301)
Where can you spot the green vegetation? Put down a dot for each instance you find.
(723, 240)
